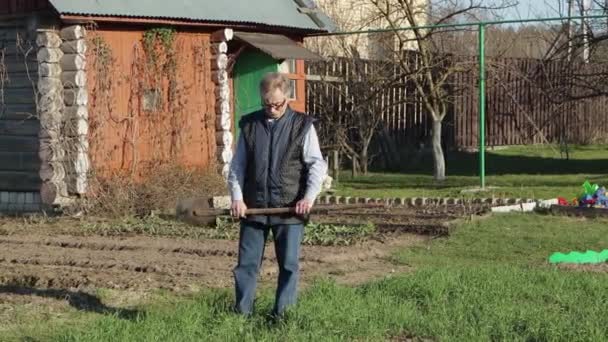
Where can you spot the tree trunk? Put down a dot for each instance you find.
(363, 161)
(438, 157)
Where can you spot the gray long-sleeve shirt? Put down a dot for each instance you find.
(317, 167)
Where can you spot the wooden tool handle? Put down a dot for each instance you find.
(278, 211)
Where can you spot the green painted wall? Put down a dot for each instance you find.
(250, 68)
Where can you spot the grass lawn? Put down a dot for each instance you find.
(489, 281)
(523, 172)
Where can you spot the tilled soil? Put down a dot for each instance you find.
(52, 261)
(177, 264)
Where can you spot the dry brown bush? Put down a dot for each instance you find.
(121, 195)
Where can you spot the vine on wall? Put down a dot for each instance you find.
(165, 72)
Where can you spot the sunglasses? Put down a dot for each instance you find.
(277, 105)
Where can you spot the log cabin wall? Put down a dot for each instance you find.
(19, 125)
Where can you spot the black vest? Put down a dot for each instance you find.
(276, 174)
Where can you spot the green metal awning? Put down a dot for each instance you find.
(278, 46)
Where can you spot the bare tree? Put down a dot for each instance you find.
(351, 104)
(433, 70)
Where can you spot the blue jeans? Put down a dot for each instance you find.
(252, 239)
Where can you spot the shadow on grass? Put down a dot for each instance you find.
(77, 299)
(466, 164)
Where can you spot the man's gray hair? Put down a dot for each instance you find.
(273, 81)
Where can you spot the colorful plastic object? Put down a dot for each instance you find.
(589, 257)
(589, 189)
(592, 196)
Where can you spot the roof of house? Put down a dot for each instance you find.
(295, 14)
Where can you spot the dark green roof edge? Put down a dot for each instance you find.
(266, 13)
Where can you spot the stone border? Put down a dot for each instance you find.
(75, 96)
(219, 68)
(421, 201)
(223, 202)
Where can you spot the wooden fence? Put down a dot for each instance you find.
(528, 102)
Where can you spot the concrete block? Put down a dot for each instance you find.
(547, 203)
(521, 207)
(4, 197)
(222, 202)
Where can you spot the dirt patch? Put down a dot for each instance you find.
(65, 261)
(602, 268)
(60, 258)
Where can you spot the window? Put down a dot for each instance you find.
(289, 67)
(152, 100)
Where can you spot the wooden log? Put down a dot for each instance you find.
(77, 127)
(19, 112)
(19, 161)
(73, 62)
(16, 143)
(220, 62)
(49, 134)
(52, 171)
(219, 48)
(54, 193)
(220, 76)
(72, 112)
(74, 79)
(81, 164)
(225, 171)
(18, 52)
(19, 96)
(21, 81)
(21, 128)
(76, 96)
(77, 183)
(49, 84)
(74, 46)
(226, 155)
(224, 35)
(49, 70)
(49, 55)
(74, 32)
(49, 151)
(223, 108)
(223, 123)
(29, 66)
(224, 138)
(49, 103)
(222, 92)
(48, 39)
(19, 181)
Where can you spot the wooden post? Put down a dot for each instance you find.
(335, 165)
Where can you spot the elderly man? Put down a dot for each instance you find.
(278, 163)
